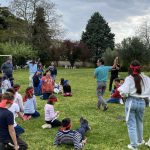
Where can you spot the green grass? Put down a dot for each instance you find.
(107, 132)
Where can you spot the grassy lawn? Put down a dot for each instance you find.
(108, 133)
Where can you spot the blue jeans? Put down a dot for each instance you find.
(19, 130)
(34, 115)
(114, 100)
(46, 95)
(135, 119)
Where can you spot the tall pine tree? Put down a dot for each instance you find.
(41, 39)
(98, 36)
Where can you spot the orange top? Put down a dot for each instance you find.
(47, 84)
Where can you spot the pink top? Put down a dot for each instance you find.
(50, 114)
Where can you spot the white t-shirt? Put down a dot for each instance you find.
(5, 85)
(14, 109)
(128, 87)
(18, 100)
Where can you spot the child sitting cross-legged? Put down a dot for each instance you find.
(76, 137)
(115, 96)
(50, 114)
(67, 88)
(30, 104)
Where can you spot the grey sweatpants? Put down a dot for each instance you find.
(101, 87)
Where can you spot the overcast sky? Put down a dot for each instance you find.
(123, 16)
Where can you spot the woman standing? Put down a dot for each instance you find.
(136, 87)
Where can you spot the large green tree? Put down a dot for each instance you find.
(41, 39)
(133, 48)
(97, 35)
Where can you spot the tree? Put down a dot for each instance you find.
(131, 49)
(26, 9)
(98, 36)
(143, 33)
(12, 29)
(71, 51)
(41, 36)
(20, 52)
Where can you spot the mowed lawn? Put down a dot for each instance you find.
(108, 133)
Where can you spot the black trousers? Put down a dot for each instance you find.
(111, 81)
(9, 145)
(55, 123)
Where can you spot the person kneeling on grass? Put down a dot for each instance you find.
(76, 137)
(50, 114)
(8, 139)
(115, 96)
(30, 104)
(67, 88)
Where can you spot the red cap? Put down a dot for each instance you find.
(52, 98)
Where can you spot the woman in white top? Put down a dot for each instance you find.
(136, 87)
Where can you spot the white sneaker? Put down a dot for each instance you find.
(141, 143)
(148, 143)
(46, 126)
(131, 147)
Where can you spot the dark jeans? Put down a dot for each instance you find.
(21, 143)
(83, 129)
(19, 130)
(46, 95)
(35, 115)
(55, 123)
(112, 77)
(114, 100)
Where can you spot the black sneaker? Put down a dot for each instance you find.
(105, 108)
(85, 122)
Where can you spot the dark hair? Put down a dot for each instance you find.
(101, 60)
(66, 122)
(0, 97)
(11, 90)
(8, 96)
(15, 86)
(121, 79)
(62, 81)
(117, 80)
(137, 78)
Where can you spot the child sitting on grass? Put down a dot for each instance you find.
(50, 114)
(30, 104)
(16, 112)
(67, 88)
(5, 84)
(47, 85)
(115, 96)
(18, 98)
(76, 137)
(36, 83)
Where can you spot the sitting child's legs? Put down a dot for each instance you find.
(114, 100)
(55, 123)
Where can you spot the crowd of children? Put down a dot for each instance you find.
(12, 105)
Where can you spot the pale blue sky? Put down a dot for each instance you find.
(123, 16)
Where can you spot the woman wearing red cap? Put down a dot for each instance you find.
(8, 139)
(50, 114)
(136, 88)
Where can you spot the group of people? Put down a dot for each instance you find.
(132, 91)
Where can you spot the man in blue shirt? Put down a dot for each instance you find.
(101, 75)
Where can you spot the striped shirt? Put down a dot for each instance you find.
(69, 137)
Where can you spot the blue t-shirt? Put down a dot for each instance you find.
(101, 73)
(32, 68)
(6, 118)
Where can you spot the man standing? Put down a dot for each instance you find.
(32, 70)
(114, 74)
(7, 69)
(101, 75)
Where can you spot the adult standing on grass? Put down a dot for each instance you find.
(7, 70)
(114, 74)
(53, 70)
(32, 70)
(136, 88)
(101, 75)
